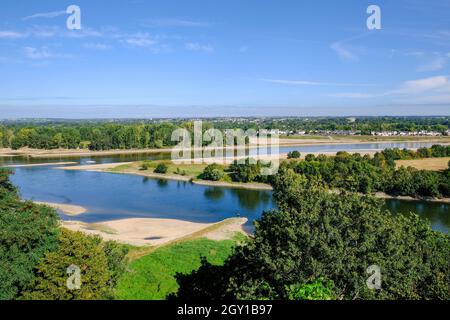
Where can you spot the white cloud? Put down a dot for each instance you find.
(37, 54)
(429, 90)
(343, 53)
(199, 47)
(141, 40)
(9, 34)
(422, 85)
(52, 14)
(42, 53)
(96, 46)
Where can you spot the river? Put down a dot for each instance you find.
(108, 196)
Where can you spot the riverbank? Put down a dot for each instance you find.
(284, 141)
(383, 195)
(157, 232)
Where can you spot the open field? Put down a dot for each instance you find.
(434, 164)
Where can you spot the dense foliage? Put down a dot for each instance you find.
(99, 263)
(365, 174)
(315, 235)
(35, 253)
(27, 232)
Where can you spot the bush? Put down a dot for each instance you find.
(161, 168)
(294, 155)
(213, 172)
(146, 165)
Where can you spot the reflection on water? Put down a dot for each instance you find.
(436, 212)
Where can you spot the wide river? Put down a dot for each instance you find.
(108, 196)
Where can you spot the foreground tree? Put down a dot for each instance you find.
(316, 234)
(27, 232)
(98, 273)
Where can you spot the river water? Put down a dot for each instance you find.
(108, 196)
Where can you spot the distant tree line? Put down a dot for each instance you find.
(93, 136)
(133, 134)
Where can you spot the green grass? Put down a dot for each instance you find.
(152, 276)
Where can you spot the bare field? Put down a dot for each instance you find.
(434, 164)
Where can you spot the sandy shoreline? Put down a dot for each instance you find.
(68, 209)
(39, 164)
(154, 232)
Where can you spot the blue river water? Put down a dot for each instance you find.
(109, 196)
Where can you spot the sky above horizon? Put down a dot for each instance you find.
(136, 58)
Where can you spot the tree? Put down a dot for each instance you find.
(84, 252)
(316, 234)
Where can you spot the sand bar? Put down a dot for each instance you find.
(68, 209)
(39, 164)
(154, 232)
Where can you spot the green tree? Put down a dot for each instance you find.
(27, 232)
(316, 234)
(74, 248)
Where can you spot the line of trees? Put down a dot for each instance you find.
(353, 172)
(92, 136)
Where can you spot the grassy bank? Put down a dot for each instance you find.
(152, 277)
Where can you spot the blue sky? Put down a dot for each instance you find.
(136, 58)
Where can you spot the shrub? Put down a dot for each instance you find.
(294, 155)
(212, 172)
(161, 168)
(146, 165)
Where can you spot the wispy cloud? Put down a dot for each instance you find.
(48, 15)
(42, 53)
(140, 40)
(430, 89)
(422, 85)
(9, 34)
(192, 46)
(96, 46)
(173, 23)
(343, 53)
(437, 61)
(314, 83)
